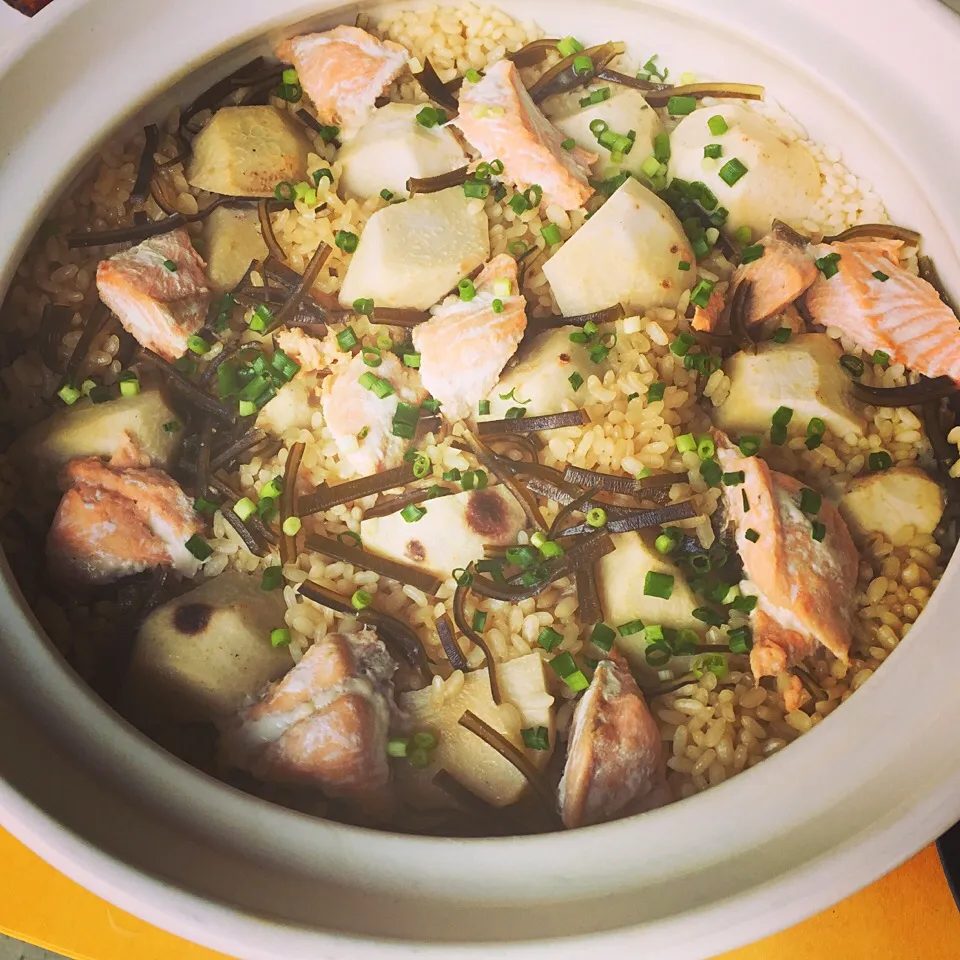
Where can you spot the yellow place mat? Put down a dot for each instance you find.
(908, 914)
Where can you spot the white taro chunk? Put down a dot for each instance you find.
(411, 254)
(803, 374)
(464, 755)
(294, 405)
(628, 252)
(393, 146)
(452, 532)
(200, 656)
(889, 500)
(623, 111)
(782, 180)
(540, 380)
(247, 151)
(233, 242)
(621, 577)
(133, 431)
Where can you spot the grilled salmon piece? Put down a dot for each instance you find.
(779, 277)
(501, 121)
(159, 291)
(707, 319)
(805, 586)
(614, 755)
(466, 344)
(325, 723)
(115, 521)
(360, 420)
(343, 71)
(902, 315)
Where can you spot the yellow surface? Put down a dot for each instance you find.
(908, 914)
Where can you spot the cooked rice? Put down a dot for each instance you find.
(712, 729)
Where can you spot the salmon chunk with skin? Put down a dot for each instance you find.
(325, 723)
(362, 422)
(614, 754)
(501, 121)
(805, 587)
(159, 291)
(466, 344)
(115, 521)
(779, 277)
(902, 315)
(343, 71)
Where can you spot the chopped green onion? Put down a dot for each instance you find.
(749, 254)
(453, 474)
(247, 408)
(471, 75)
(880, 461)
(658, 654)
(661, 147)
(581, 67)
(411, 360)
(631, 626)
(881, 358)
(171, 426)
(782, 335)
(370, 381)
(431, 116)
(280, 637)
(329, 133)
(818, 531)
(466, 289)
(474, 479)
(203, 505)
(745, 604)
(686, 443)
(603, 637)
(386, 194)
(827, 265)
(598, 96)
(129, 386)
(515, 413)
(706, 448)
(569, 46)
(551, 234)
(853, 365)
(518, 204)
(412, 513)
(714, 663)
(734, 478)
(708, 616)
(656, 391)
(681, 106)
(712, 151)
(682, 344)
(476, 190)
(782, 416)
(291, 526)
(596, 517)
(199, 547)
(483, 408)
(810, 501)
(881, 276)
(548, 638)
(479, 621)
(536, 738)
(347, 339)
(285, 191)
(651, 166)
(261, 319)
(361, 599)
(658, 585)
(815, 430)
(711, 472)
(371, 356)
(576, 381)
(684, 642)
(363, 306)
(397, 747)
(683, 265)
(598, 127)
(717, 125)
(419, 758)
(346, 240)
(752, 535)
(245, 508)
(732, 171)
(668, 540)
(741, 640)
(272, 578)
(170, 265)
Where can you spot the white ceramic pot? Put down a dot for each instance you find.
(846, 803)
